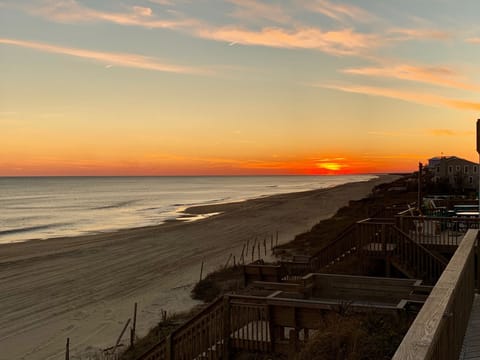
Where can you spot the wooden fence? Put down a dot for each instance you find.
(439, 328)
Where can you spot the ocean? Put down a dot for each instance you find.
(46, 207)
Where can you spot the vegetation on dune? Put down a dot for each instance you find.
(159, 332)
(218, 283)
(327, 230)
(344, 336)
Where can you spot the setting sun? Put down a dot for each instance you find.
(332, 166)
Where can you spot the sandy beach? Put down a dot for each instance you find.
(85, 287)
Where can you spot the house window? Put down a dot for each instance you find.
(450, 169)
(457, 168)
(475, 169)
(470, 180)
(438, 169)
(466, 169)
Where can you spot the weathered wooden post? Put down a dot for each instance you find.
(201, 271)
(169, 348)
(120, 337)
(293, 342)
(226, 327)
(271, 328)
(228, 260)
(384, 249)
(67, 350)
(241, 256)
(478, 263)
(134, 326)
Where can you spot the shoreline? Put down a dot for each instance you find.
(84, 287)
(153, 212)
(207, 210)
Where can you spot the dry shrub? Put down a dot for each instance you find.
(218, 283)
(355, 337)
(337, 339)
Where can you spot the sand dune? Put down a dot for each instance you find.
(84, 287)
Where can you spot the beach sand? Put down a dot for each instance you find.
(84, 287)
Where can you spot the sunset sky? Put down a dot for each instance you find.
(209, 87)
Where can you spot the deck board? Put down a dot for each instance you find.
(471, 345)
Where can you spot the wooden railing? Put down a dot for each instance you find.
(436, 231)
(392, 239)
(427, 265)
(252, 323)
(249, 326)
(389, 242)
(344, 244)
(439, 328)
(200, 336)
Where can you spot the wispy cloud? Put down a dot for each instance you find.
(449, 132)
(162, 2)
(337, 42)
(436, 75)
(118, 59)
(337, 11)
(71, 11)
(255, 10)
(473, 40)
(392, 133)
(293, 35)
(419, 98)
(404, 34)
(341, 42)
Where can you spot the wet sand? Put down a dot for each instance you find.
(84, 287)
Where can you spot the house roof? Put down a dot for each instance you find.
(451, 158)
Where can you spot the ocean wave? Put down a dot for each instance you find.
(31, 228)
(115, 205)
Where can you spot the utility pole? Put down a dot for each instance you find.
(419, 199)
(478, 171)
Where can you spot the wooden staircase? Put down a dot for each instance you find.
(385, 240)
(377, 238)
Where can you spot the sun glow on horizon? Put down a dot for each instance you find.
(235, 87)
(331, 166)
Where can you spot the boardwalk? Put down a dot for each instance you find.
(471, 345)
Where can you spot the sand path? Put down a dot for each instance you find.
(84, 287)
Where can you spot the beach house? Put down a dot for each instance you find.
(461, 174)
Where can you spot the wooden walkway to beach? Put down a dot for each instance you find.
(471, 344)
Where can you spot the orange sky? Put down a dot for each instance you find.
(235, 87)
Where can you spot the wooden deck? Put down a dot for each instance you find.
(439, 329)
(471, 344)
